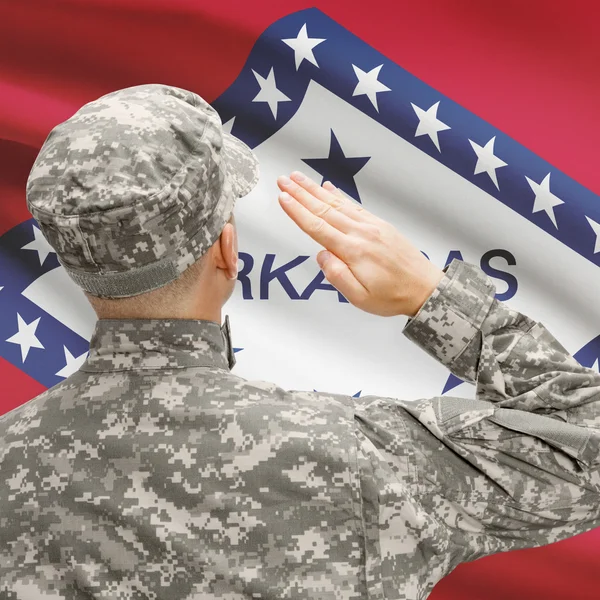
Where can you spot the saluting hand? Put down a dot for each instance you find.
(374, 266)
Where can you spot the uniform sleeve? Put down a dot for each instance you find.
(518, 466)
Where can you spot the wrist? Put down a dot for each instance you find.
(425, 286)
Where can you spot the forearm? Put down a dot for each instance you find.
(513, 360)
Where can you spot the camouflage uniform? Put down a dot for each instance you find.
(155, 473)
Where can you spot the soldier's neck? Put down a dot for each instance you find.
(197, 313)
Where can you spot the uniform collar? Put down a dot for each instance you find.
(126, 344)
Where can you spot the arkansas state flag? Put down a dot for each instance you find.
(471, 126)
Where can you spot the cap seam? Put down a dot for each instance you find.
(85, 245)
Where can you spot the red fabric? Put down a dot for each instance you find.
(529, 68)
(17, 387)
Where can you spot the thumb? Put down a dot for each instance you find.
(341, 277)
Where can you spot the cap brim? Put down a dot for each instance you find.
(242, 165)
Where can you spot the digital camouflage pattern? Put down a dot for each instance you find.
(156, 473)
(136, 186)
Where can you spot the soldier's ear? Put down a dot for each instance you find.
(227, 251)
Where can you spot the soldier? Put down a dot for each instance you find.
(154, 472)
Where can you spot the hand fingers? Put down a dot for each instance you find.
(316, 227)
(337, 192)
(334, 197)
(334, 190)
(341, 278)
(327, 211)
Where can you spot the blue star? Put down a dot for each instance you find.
(452, 382)
(338, 168)
(589, 355)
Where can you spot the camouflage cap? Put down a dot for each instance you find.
(136, 186)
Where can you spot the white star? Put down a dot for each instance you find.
(39, 244)
(227, 127)
(269, 92)
(369, 85)
(303, 47)
(25, 337)
(595, 226)
(596, 366)
(429, 124)
(487, 162)
(544, 198)
(73, 364)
